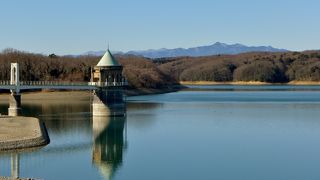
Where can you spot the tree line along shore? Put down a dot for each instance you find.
(146, 74)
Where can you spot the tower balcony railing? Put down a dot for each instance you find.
(108, 84)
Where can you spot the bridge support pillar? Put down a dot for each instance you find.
(14, 104)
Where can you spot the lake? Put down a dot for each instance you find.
(206, 132)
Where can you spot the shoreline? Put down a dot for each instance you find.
(257, 83)
(169, 89)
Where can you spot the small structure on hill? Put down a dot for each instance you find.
(108, 72)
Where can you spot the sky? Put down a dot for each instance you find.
(77, 26)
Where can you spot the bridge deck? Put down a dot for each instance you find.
(59, 85)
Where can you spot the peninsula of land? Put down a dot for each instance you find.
(22, 133)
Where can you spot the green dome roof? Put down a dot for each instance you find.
(108, 60)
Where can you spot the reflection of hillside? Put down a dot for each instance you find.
(141, 113)
(63, 116)
(109, 143)
(57, 115)
(142, 105)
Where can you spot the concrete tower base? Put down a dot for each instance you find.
(100, 108)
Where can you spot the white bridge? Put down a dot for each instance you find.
(106, 82)
(15, 85)
(25, 85)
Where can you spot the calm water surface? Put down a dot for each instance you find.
(207, 132)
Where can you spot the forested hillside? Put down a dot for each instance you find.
(263, 67)
(140, 72)
(159, 73)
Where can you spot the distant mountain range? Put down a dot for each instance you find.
(214, 49)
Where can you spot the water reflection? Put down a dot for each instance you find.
(109, 136)
(13, 162)
(108, 124)
(73, 136)
(14, 167)
(245, 133)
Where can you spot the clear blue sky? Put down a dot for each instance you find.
(77, 26)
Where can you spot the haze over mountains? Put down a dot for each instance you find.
(214, 49)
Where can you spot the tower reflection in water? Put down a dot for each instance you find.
(109, 135)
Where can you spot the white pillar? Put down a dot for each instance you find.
(14, 78)
(15, 97)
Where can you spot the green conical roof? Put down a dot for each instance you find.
(108, 60)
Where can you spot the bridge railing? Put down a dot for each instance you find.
(66, 83)
(52, 83)
(4, 83)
